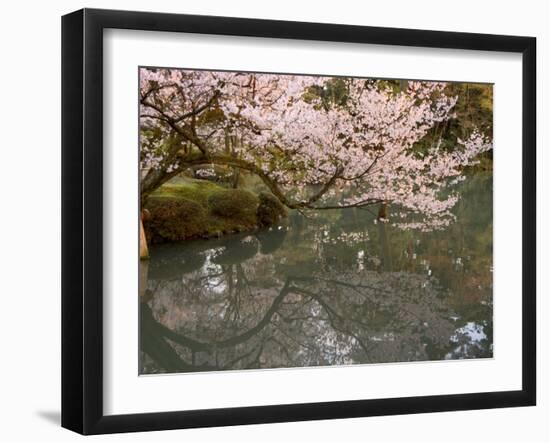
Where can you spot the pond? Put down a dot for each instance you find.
(334, 289)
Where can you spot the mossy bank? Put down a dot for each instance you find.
(192, 208)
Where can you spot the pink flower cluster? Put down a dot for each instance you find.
(361, 152)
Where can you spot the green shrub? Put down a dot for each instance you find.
(235, 204)
(174, 219)
(270, 209)
(187, 208)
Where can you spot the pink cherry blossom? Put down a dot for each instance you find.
(312, 156)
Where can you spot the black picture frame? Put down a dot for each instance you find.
(82, 218)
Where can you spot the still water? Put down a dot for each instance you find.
(337, 289)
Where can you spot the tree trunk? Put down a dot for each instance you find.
(383, 211)
(235, 178)
(143, 249)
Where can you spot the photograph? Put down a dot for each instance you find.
(305, 220)
(275, 222)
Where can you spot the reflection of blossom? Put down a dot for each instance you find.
(330, 320)
(347, 238)
(469, 341)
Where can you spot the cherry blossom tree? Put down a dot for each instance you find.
(311, 154)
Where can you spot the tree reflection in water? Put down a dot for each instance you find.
(306, 294)
(322, 292)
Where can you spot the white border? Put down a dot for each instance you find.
(125, 392)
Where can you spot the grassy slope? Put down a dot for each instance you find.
(213, 222)
(196, 190)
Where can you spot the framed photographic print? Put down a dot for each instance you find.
(269, 221)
